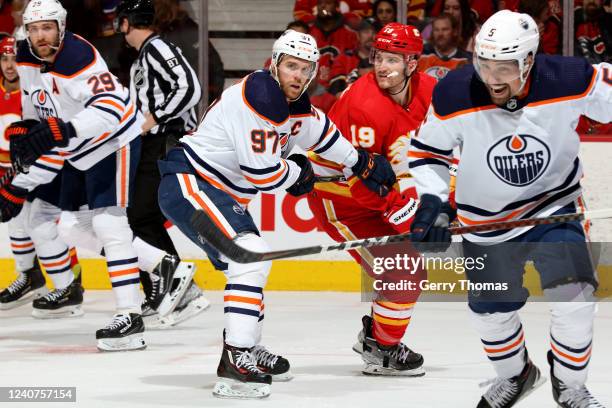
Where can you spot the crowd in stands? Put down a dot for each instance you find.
(93, 19)
(344, 30)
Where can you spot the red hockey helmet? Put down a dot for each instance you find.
(7, 46)
(399, 38)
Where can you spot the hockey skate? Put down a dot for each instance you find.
(397, 360)
(269, 363)
(568, 397)
(28, 286)
(239, 376)
(60, 303)
(123, 333)
(173, 280)
(191, 304)
(506, 392)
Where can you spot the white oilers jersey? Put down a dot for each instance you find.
(241, 143)
(78, 88)
(517, 161)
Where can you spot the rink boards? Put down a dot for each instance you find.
(286, 220)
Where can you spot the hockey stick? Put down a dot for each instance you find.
(10, 172)
(324, 179)
(205, 227)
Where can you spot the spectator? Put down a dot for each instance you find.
(86, 17)
(593, 32)
(306, 10)
(442, 54)
(481, 9)
(19, 31)
(174, 24)
(6, 19)
(355, 63)
(461, 11)
(548, 25)
(384, 12)
(332, 35)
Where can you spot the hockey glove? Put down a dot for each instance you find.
(306, 180)
(400, 213)
(375, 172)
(11, 201)
(430, 226)
(40, 139)
(16, 130)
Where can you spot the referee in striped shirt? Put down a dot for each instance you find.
(167, 91)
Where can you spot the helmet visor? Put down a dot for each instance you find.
(297, 66)
(493, 72)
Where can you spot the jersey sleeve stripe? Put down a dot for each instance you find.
(279, 174)
(426, 155)
(329, 144)
(422, 146)
(260, 171)
(424, 162)
(277, 185)
(110, 112)
(324, 133)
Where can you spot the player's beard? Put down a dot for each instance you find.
(50, 49)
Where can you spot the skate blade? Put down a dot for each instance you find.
(375, 369)
(27, 298)
(535, 386)
(228, 388)
(184, 273)
(66, 312)
(128, 343)
(156, 322)
(193, 308)
(284, 377)
(358, 347)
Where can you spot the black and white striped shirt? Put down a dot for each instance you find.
(163, 83)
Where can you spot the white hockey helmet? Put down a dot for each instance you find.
(298, 45)
(507, 36)
(45, 10)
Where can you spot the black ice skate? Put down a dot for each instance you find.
(190, 305)
(568, 397)
(28, 286)
(239, 376)
(123, 333)
(173, 278)
(60, 303)
(397, 360)
(269, 363)
(506, 392)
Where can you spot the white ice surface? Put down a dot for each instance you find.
(314, 330)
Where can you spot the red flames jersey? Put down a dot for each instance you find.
(10, 112)
(371, 120)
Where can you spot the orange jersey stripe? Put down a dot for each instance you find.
(203, 205)
(122, 272)
(499, 350)
(242, 299)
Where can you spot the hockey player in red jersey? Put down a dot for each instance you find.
(380, 112)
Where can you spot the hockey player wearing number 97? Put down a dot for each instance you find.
(240, 148)
(514, 113)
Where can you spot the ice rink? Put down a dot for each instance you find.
(314, 330)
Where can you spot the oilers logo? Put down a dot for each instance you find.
(437, 72)
(43, 103)
(518, 160)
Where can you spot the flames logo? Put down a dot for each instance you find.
(518, 160)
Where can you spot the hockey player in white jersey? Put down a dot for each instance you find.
(91, 124)
(240, 148)
(513, 115)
